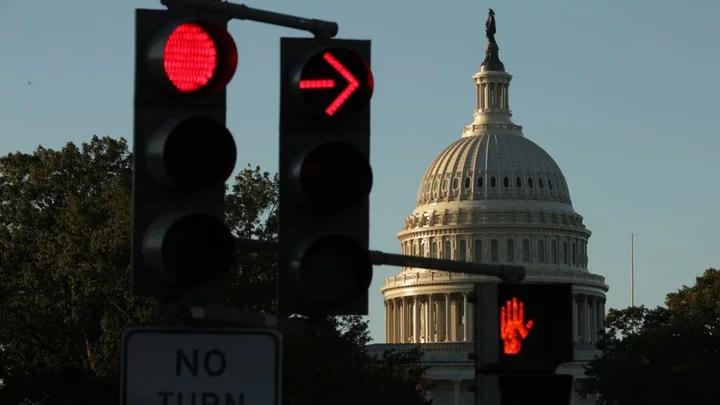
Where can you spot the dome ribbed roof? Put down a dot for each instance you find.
(493, 167)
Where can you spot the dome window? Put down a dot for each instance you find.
(494, 251)
(447, 252)
(574, 255)
(510, 253)
(565, 253)
(493, 182)
(444, 185)
(526, 251)
(541, 184)
(541, 251)
(462, 251)
(554, 252)
(518, 182)
(467, 182)
(550, 184)
(456, 183)
(477, 251)
(530, 182)
(506, 182)
(480, 182)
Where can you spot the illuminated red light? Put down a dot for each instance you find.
(353, 84)
(190, 57)
(513, 327)
(317, 84)
(334, 82)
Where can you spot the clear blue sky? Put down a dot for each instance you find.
(620, 93)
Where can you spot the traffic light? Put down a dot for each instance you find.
(183, 153)
(523, 333)
(325, 176)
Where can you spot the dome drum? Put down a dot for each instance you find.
(468, 217)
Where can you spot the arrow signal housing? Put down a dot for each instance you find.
(333, 82)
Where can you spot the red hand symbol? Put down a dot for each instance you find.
(513, 329)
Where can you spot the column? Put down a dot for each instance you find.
(601, 317)
(471, 321)
(576, 321)
(387, 322)
(583, 317)
(401, 338)
(486, 95)
(392, 321)
(456, 392)
(466, 318)
(593, 318)
(416, 319)
(431, 317)
(448, 318)
(398, 320)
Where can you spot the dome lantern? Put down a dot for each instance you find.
(492, 91)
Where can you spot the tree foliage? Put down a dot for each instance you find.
(64, 299)
(665, 355)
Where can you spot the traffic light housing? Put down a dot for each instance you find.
(325, 176)
(183, 153)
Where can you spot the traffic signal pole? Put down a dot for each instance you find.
(319, 28)
(508, 274)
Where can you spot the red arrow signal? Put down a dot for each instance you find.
(338, 102)
(316, 84)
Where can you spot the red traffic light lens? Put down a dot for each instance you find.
(196, 153)
(193, 56)
(334, 82)
(336, 260)
(190, 57)
(333, 176)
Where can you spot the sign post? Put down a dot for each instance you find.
(165, 366)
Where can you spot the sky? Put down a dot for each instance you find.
(622, 94)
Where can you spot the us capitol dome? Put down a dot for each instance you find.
(492, 196)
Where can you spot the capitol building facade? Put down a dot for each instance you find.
(492, 196)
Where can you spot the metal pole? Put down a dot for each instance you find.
(319, 28)
(632, 269)
(501, 271)
(504, 272)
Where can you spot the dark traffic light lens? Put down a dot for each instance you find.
(335, 175)
(334, 268)
(193, 248)
(536, 389)
(197, 153)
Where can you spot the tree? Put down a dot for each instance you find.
(666, 355)
(64, 299)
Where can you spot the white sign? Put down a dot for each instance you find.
(201, 367)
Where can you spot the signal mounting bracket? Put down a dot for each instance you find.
(319, 28)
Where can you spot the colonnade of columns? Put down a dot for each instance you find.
(429, 318)
(448, 317)
(591, 311)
